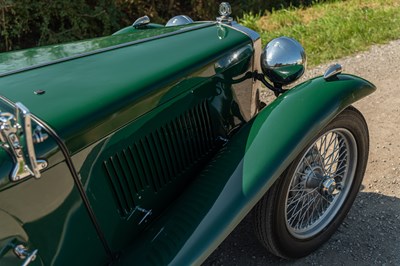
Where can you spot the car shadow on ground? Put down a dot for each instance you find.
(370, 234)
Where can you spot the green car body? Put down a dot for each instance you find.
(157, 144)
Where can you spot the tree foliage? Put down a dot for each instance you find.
(27, 23)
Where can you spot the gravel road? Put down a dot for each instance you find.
(371, 232)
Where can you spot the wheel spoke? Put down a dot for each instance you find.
(329, 158)
(315, 208)
(319, 157)
(343, 167)
(334, 161)
(309, 205)
(329, 145)
(305, 204)
(301, 197)
(310, 167)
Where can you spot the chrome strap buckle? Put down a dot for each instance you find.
(16, 137)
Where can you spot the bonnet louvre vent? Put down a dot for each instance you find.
(157, 162)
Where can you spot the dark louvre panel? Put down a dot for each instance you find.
(158, 160)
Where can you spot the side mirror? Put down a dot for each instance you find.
(283, 61)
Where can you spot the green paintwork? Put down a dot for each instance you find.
(238, 176)
(97, 94)
(47, 214)
(16, 60)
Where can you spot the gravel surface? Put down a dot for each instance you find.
(371, 232)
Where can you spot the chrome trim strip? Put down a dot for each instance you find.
(254, 36)
(74, 174)
(256, 39)
(122, 45)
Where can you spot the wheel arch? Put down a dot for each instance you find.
(283, 129)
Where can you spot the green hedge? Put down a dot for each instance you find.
(27, 23)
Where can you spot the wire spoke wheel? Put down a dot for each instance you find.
(313, 195)
(321, 183)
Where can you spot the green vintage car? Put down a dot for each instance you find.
(149, 146)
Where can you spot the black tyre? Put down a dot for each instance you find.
(312, 197)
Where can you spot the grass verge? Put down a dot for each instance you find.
(331, 30)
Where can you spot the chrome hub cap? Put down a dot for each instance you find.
(321, 183)
(329, 186)
(313, 177)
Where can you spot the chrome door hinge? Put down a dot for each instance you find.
(24, 254)
(16, 137)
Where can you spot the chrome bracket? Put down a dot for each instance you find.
(16, 137)
(141, 22)
(332, 71)
(24, 254)
(146, 213)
